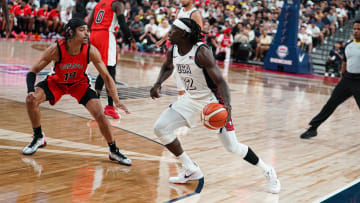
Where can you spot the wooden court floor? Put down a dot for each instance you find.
(270, 111)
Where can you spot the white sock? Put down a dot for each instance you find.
(262, 165)
(186, 161)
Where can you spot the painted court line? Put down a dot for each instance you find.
(338, 191)
(24, 137)
(197, 191)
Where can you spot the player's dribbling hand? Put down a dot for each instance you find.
(122, 107)
(154, 91)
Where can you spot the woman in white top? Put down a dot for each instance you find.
(163, 29)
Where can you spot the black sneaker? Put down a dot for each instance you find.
(36, 143)
(309, 134)
(118, 156)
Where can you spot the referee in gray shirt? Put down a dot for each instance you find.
(348, 86)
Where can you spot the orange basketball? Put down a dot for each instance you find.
(214, 116)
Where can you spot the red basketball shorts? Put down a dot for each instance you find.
(105, 42)
(77, 89)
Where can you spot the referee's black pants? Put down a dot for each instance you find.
(348, 86)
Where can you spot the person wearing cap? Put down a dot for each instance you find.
(107, 15)
(71, 57)
(225, 42)
(204, 84)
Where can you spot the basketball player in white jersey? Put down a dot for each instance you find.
(203, 82)
(186, 11)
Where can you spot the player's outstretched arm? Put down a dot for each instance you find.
(50, 54)
(206, 60)
(165, 72)
(95, 57)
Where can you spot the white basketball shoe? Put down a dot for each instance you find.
(34, 145)
(273, 181)
(187, 175)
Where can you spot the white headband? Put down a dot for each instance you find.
(178, 23)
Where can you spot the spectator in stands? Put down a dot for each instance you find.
(315, 33)
(41, 21)
(304, 39)
(66, 15)
(137, 28)
(163, 28)
(334, 61)
(263, 44)
(32, 19)
(152, 24)
(79, 11)
(342, 12)
(90, 6)
(147, 41)
(224, 43)
(64, 4)
(321, 25)
(22, 14)
(54, 23)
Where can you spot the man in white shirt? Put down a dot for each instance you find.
(64, 4)
(315, 33)
(66, 15)
(153, 26)
(305, 40)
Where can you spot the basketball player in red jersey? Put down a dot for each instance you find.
(106, 15)
(204, 84)
(71, 56)
(5, 10)
(187, 11)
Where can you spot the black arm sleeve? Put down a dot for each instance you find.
(30, 81)
(124, 27)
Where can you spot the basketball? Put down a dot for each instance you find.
(214, 116)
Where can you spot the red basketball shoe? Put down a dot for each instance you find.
(110, 111)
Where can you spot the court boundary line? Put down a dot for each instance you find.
(347, 186)
(200, 183)
(128, 131)
(197, 191)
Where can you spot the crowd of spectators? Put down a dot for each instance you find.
(249, 25)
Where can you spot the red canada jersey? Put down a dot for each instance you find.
(42, 12)
(104, 16)
(71, 69)
(53, 15)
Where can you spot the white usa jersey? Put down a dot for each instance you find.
(185, 14)
(193, 78)
(182, 14)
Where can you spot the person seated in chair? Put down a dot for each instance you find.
(334, 61)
